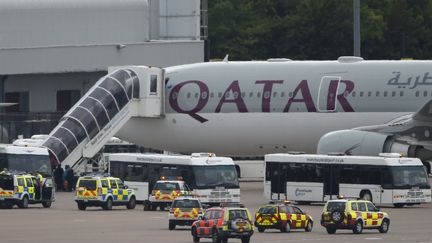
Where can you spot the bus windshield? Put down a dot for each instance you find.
(405, 177)
(213, 176)
(26, 162)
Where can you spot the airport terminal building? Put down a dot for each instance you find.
(53, 51)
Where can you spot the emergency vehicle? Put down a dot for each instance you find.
(355, 215)
(103, 191)
(164, 192)
(222, 223)
(22, 189)
(282, 216)
(184, 211)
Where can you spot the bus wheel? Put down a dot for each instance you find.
(46, 204)
(24, 202)
(366, 195)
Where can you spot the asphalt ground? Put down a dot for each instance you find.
(63, 222)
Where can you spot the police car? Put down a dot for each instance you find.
(184, 211)
(282, 216)
(103, 191)
(222, 223)
(164, 192)
(22, 189)
(355, 215)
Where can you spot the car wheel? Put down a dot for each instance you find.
(215, 236)
(171, 225)
(358, 227)
(131, 204)
(146, 206)
(337, 216)
(108, 204)
(261, 229)
(82, 206)
(24, 202)
(331, 229)
(286, 227)
(366, 195)
(309, 226)
(195, 238)
(46, 204)
(384, 226)
(245, 239)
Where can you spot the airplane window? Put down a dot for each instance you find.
(353, 94)
(211, 95)
(401, 93)
(196, 95)
(174, 95)
(361, 93)
(243, 94)
(417, 93)
(377, 93)
(425, 93)
(250, 94)
(369, 94)
(290, 94)
(266, 94)
(204, 95)
(385, 93)
(393, 93)
(346, 93)
(235, 95)
(259, 94)
(227, 95)
(282, 94)
(274, 94)
(220, 94)
(188, 95)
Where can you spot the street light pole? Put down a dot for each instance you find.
(356, 10)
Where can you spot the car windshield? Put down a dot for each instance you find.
(88, 184)
(186, 203)
(213, 176)
(405, 177)
(267, 210)
(335, 206)
(166, 186)
(237, 214)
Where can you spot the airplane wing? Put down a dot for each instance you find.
(409, 135)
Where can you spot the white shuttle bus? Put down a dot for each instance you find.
(212, 179)
(305, 178)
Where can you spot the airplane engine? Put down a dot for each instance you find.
(355, 142)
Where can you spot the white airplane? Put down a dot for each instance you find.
(256, 107)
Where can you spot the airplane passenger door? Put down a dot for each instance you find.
(151, 91)
(327, 93)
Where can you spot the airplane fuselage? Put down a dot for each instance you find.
(253, 108)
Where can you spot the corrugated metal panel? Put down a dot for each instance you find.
(39, 23)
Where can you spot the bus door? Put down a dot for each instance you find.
(331, 181)
(277, 180)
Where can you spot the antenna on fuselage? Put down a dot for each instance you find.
(225, 58)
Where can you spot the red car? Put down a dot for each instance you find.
(221, 223)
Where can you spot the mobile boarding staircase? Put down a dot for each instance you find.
(132, 91)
